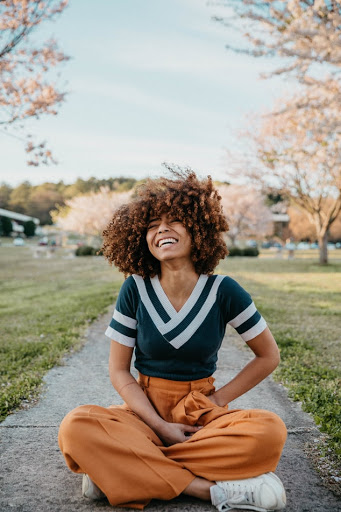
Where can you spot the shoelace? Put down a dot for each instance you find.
(235, 494)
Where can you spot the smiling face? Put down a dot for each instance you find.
(168, 239)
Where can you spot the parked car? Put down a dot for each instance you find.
(271, 244)
(303, 246)
(331, 247)
(43, 241)
(18, 241)
(314, 245)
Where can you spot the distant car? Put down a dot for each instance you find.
(331, 247)
(18, 241)
(338, 245)
(43, 241)
(277, 245)
(251, 243)
(270, 244)
(314, 245)
(303, 246)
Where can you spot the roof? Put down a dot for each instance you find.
(17, 216)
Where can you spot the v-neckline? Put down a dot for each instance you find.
(187, 306)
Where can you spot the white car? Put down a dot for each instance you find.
(303, 245)
(18, 241)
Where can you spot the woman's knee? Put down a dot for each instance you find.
(271, 431)
(71, 429)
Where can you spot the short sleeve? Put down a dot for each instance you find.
(239, 310)
(122, 327)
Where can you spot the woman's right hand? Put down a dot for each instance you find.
(172, 433)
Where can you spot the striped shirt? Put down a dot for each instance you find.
(181, 345)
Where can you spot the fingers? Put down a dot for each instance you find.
(191, 428)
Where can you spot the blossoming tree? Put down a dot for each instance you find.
(245, 212)
(89, 214)
(26, 88)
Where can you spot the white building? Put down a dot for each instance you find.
(18, 219)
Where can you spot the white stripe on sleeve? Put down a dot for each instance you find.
(255, 330)
(120, 338)
(125, 320)
(243, 316)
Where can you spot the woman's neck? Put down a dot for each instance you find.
(178, 283)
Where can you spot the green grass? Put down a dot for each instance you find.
(301, 302)
(45, 306)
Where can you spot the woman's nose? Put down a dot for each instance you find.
(163, 227)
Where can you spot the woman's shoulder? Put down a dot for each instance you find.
(228, 285)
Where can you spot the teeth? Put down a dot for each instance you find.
(167, 241)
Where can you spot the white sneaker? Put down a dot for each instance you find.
(90, 489)
(263, 493)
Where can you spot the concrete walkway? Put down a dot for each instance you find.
(34, 477)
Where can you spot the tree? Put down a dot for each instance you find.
(43, 199)
(89, 214)
(5, 194)
(245, 212)
(305, 33)
(26, 89)
(19, 200)
(6, 226)
(303, 158)
(29, 228)
(299, 142)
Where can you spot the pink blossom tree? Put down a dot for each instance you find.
(89, 214)
(27, 90)
(246, 212)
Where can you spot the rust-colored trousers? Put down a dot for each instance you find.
(130, 464)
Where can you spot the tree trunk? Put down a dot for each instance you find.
(323, 240)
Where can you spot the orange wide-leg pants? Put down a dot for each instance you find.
(130, 464)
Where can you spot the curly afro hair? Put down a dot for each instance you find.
(194, 202)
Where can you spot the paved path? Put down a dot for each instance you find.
(34, 477)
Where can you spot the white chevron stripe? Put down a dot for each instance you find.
(154, 315)
(187, 307)
(166, 303)
(163, 327)
(125, 320)
(182, 338)
(255, 330)
(243, 316)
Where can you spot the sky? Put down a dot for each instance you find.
(148, 82)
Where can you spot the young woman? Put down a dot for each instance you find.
(175, 433)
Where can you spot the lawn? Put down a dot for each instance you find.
(46, 305)
(301, 302)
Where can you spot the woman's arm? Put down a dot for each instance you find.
(266, 360)
(134, 397)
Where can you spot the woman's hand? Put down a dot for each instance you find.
(172, 433)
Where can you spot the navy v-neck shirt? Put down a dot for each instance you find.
(181, 345)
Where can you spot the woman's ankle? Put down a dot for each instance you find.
(199, 488)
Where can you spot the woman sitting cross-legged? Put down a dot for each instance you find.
(175, 432)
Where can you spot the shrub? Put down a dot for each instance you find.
(248, 251)
(29, 228)
(85, 250)
(6, 226)
(88, 250)
(235, 251)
